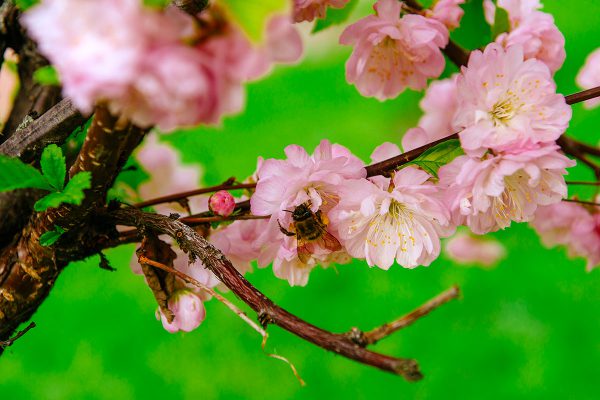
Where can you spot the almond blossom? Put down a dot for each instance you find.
(439, 106)
(383, 220)
(286, 184)
(573, 225)
(448, 12)
(517, 9)
(188, 310)
(307, 10)
(155, 67)
(393, 52)
(464, 248)
(505, 101)
(488, 194)
(589, 76)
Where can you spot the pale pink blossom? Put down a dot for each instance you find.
(392, 52)
(383, 223)
(573, 225)
(307, 10)
(9, 85)
(167, 175)
(156, 67)
(488, 194)
(221, 203)
(505, 102)
(284, 185)
(439, 106)
(589, 76)
(540, 39)
(470, 249)
(517, 9)
(384, 151)
(448, 12)
(188, 310)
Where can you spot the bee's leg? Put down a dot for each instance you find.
(323, 220)
(285, 231)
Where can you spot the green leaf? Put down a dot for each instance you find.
(25, 4)
(72, 193)
(46, 76)
(50, 237)
(252, 16)
(501, 22)
(54, 166)
(15, 174)
(434, 158)
(335, 16)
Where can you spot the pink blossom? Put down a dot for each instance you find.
(155, 67)
(589, 76)
(488, 194)
(392, 52)
(517, 9)
(188, 310)
(439, 106)
(167, 175)
(383, 223)
(9, 85)
(573, 225)
(540, 39)
(469, 249)
(448, 12)
(221, 203)
(284, 185)
(505, 102)
(384, 151)
(307, 10)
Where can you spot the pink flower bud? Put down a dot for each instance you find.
(221, 203)
(188, 310)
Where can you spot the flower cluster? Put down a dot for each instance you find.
(573, 225)
(155, 66)
(531, 29)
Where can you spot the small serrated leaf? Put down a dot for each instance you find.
(15, 174)
(501, 22)
(252, 16)
(434, 158)
(335, 16)
(46, 76)
(72, 193)
(54, 166)
(50, 237)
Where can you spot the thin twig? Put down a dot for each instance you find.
(145, 260)
(191, 221)
(375, 335)
(9, 342)
(184, 195)
(589, 203)
(584, 183)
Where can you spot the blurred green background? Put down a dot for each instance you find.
(528, 328)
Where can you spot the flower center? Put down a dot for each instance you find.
(509, 206)
(503, 111)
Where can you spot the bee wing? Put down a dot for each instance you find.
(328, 241)
(305, 250)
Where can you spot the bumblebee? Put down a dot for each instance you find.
(310, 230)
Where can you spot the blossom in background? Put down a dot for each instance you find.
(9, 85)
(286, 184)
(589, 76)
(168, 175)
(448, 12)
(439, 106)
(307, 10)
(152, 65)
(573, 225)
(505, 102)
(384, 220)
(488, 194)
(188, 310)
(392, 52)
(534, 30)
(464, 248)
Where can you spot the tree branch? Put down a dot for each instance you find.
(268, 312)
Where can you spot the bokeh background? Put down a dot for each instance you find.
(528, 328)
